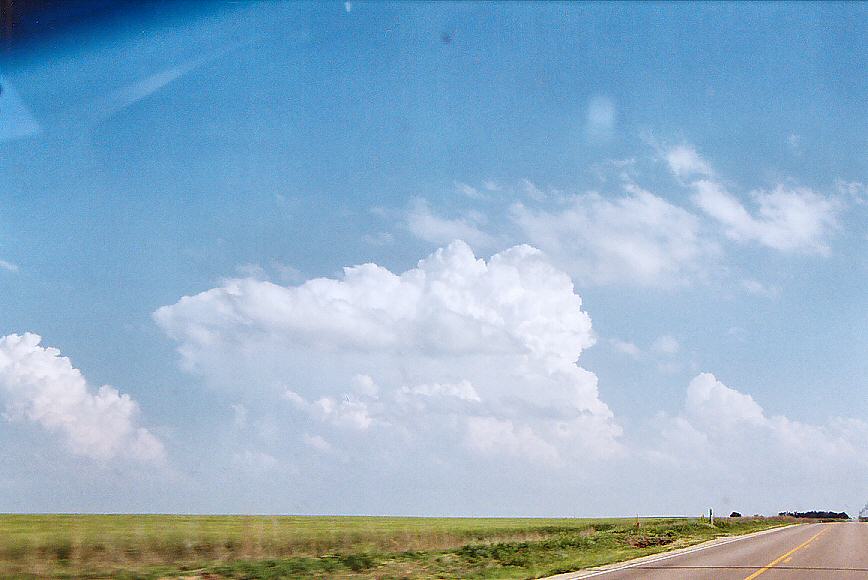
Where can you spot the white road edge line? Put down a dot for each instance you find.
(668, 556)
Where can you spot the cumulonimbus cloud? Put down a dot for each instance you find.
(40, 386)
(465, 362)
(457, 344)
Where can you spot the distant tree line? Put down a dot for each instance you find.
(817, 515)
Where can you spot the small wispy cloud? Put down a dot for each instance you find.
(379, 238)
(532, 191)
(786, 218)
(8, 266)
(757, 288)
(638, 238)
(600, 117)
(666, 345)
(251, 271)
(426, 225)
(468, 190)
(685, 162)
(239, 415)
(794, 141)
(254, 461)
(626, 347)
(316, 441)
(856, 191)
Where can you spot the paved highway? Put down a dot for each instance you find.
(811, 551)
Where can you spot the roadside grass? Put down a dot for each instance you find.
(169, 546)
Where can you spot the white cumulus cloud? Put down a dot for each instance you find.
(710, 402)
(40, 386)
(723, 428)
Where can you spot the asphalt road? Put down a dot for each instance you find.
(812, 551)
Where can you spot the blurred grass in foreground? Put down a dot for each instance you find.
(160, 546)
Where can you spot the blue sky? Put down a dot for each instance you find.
(697, 173)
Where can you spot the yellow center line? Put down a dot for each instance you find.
(778, 560)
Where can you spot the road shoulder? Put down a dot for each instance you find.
(600, 570)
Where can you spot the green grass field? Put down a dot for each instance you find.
(169, 546)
